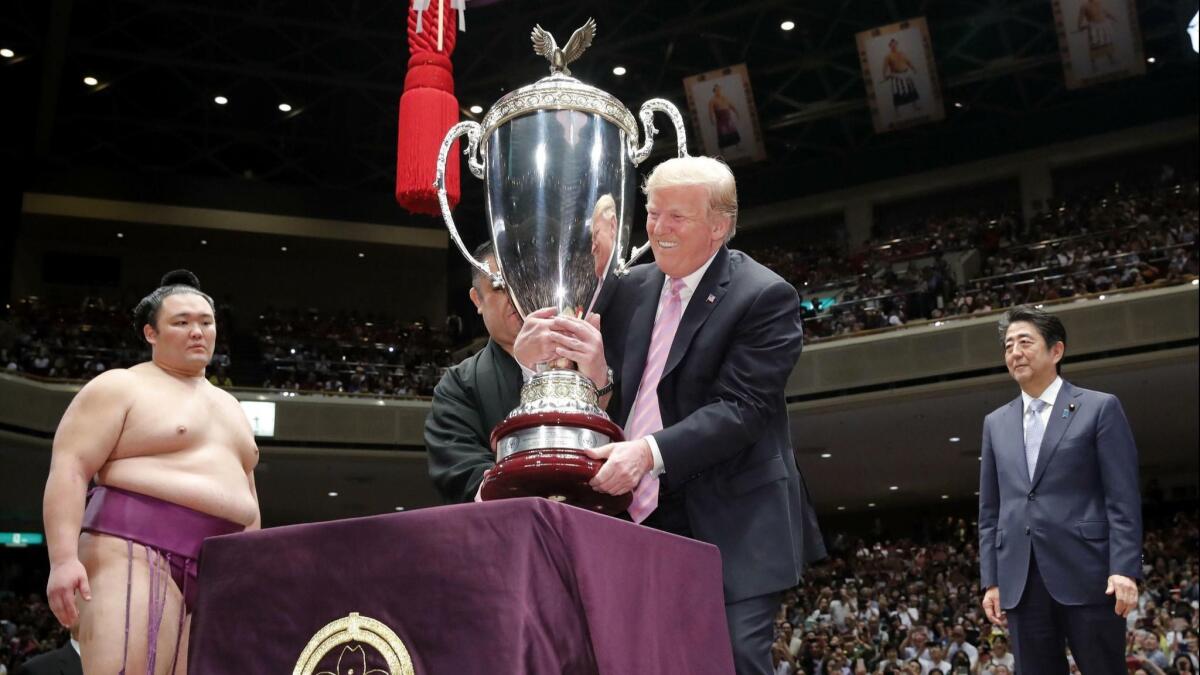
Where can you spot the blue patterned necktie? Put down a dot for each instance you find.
(1034, 430)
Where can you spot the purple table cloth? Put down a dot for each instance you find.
(521, 586)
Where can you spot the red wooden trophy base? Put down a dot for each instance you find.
(559, 474)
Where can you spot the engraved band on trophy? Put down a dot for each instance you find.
(558, 158)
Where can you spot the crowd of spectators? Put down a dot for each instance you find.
(345, 352)
(27, 628)
(1092, 242)
(905, 608)
(1107, 240)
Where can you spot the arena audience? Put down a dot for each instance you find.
(901, 607)
(1115, 239)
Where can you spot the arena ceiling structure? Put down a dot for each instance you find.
(195, 89)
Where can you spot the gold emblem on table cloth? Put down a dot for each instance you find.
(351, 634)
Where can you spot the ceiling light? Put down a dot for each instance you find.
(391, 349)
(894, 488)
(333, 494)
(204, 242)
(977, 493)
(871, 505)
(7, 53)
(283, 248)
(619, 71)
(841, 508)
(957, 104)
(285, 107)
(955, 439)
(1150, 60)
(787, 25)
(91, 81)
(826, 455)
(1103, 297)
(120, 235)
(220, 100)
(399, 508)
(476, 109)
(362, 255)
(1196, 282)
(945, 496)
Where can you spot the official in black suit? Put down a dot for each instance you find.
(474, 396)
(61, 661)
(721, 463)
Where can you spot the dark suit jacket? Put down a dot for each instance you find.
(470, 399)
(725, 442)
(1081, 514)
(61, 661)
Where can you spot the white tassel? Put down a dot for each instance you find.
(420, 6)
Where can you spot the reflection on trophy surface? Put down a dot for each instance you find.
(558, 158)
(604, 234)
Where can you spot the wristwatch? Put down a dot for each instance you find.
(608, 386)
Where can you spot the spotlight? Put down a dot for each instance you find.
(476, 109)
(787, 25)
(220, 100)
(619, 71)
(285, 107)
(7, 53)
(333, 494)
(91, 81)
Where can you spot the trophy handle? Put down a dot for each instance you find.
(646, 115)
(639, 155)
(472, 130)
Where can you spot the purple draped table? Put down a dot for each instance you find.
(521, 586)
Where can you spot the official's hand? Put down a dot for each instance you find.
(991, 607)
(535, 343)
(625, 464)
(1125, 590)
(64, 580)
(580, 341)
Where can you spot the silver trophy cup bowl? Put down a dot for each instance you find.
(559, 161)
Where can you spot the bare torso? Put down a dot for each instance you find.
(187, 442)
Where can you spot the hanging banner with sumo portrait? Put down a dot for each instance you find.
(724, 116)
(1099, 40)
(900, 75)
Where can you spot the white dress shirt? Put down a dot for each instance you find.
(1048, 396)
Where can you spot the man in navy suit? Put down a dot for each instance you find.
(701, 345)
(1060, 520)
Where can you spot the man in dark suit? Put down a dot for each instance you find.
(1060, 520)
(702, 344)
(474, 396)
(62, 661)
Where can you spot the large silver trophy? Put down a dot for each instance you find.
(558, 158)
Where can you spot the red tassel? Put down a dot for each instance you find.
(428, 109)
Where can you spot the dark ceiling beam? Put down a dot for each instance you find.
(53, 57)
(246, 70)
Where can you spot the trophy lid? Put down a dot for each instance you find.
(560, 91)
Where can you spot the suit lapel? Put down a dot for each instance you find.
(637, 342)
(1015, 426)
(713, 284)
(1061, 417)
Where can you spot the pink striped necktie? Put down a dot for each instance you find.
(645, 417)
